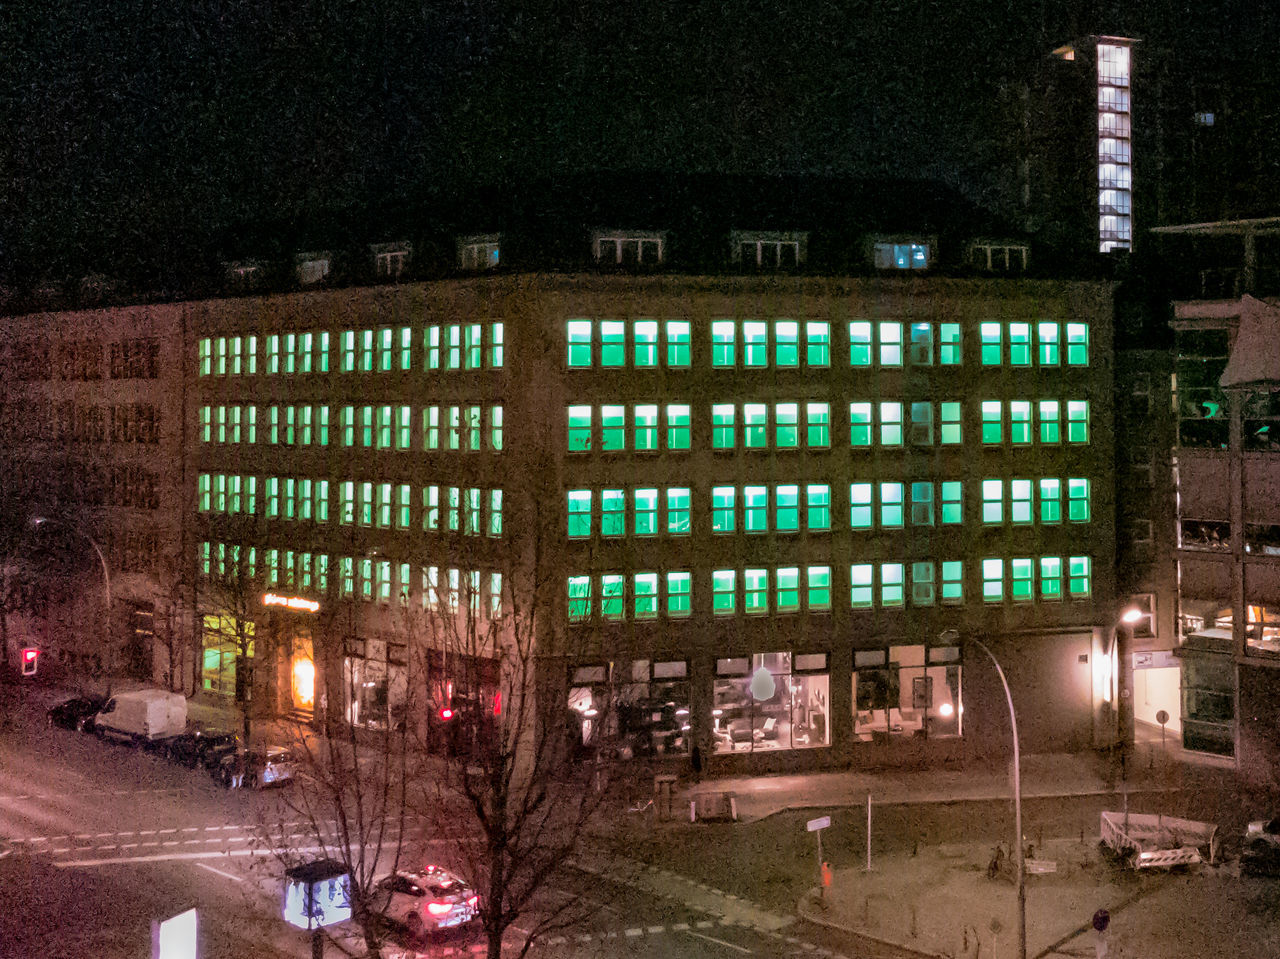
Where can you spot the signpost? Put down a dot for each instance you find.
(824, 871)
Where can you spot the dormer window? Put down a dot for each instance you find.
(909, 253)
(390, 260)
(628, 247)
(244, 274)
(995, 256)
(753, 249)
(476, 253)
(312, 268)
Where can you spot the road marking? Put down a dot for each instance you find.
(220, 872)
(720, 942)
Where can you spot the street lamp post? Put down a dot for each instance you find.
(106, 578)
(952, 635)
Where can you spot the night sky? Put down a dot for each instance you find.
(138, 130)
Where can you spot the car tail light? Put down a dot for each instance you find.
(439, 908)
(473, 901)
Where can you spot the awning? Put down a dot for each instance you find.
(1255, 357)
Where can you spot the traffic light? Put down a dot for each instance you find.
(30, 659)
(446, 713)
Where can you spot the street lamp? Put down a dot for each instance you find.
(951, 636)
(106, 575)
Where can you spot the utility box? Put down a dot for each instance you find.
(317, 894)
(713, 806)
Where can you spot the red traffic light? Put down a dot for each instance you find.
(30, 659)
(446, 713)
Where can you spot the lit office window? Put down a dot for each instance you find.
(891, 505)
(890, 343)
(950, 432)
(787, 508)
(922, 504)
(755, 343)
(645, 333)
(861, 589)
(722, 426)
(818, 501)
(817, 343)
(579, 513)
(1050, 578)
(579, 332)
(755, 506)
(1047, 332)
(1050, 500)
(613, 512)
(678, 426)
(952, 583)
(1077, 344)
(612, 587)
(1077, 421)
(992, 343)
(1050, 421)
(859, 424)
(613, 428)
(579, 598)
(1020, 510)
(677, 511)
(992, 423)
(645, 426)
(923, 587)
(818, 580)
(646, 595)
(818, 422)
(859, 343)
(1019, 344)
(722, 509)
(1020, 422)
(860, 508)
(723, 590)
(678, 354)
(613, 343)
(892, 585)
(992, 501)
(921, 424)
(891, 424)
(1079, 577)
(755, 425)
(786, 425)
(1078, 500)
(786, 343)
(949, 344)
(579, 429)
(993, 580)
(1022, 580)
(787, 591)
(921, 352)
(755, 591)
(646, 512)
(723, 336)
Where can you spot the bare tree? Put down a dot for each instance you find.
(227, 600)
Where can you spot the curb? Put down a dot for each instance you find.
(806, 915)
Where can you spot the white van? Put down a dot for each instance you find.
(145, 715)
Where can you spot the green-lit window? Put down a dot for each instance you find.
(206, 356)
(921, 504)
(1019, 344)
(1051, 577)
(203, 488)
(1079, 577)
(495, 428)
(949, 344)
(1050, 501)
(859, 424)
(613, 512)
(579, 513)
(723, 591)
(220, 365)
(453, 503)
(1020, 510)
(679, 594)
(367, 426)
(1047, 333)
(1022, 580)
(290, 510)
(645, 338)
(755, 584)
(474, 346)
(305, 431)
(473, 428)
(923, 588)
(892, 584)
(860, 508)
(433, 347)
(786, 425)
(786, 343)
(678, 426)
(1077, 344)
(251, 495)
(579, 333)
(646, 512)
(431, 427)
(891, 505)
(952, 502)
(890, 343)
(406, 348)
(386, 350)
(206, 424)
(386, 504)
(579, 429)
(220, 492)
(404, 512)
(755, 509)
(222, 424)
(678, 354)
(921, 350)
(431, 507)
(992, 343)
(320, 492)
(952, 582)
(755, 343)
(993, 581)
(861, 590)
(1077, 421)
(1020, 422)
(677, 511)
(722, 509)
(921, 424)
(818, 506)
(992, 423)
(859, 343)
(992, 501)
(273, 352)
(273, 430)
(646, 426)
(453, 360)
(613, 343)
(234, 487)
(366, 351)
(347, 503)
(497, 348)
(273, 497)
(306, 352)
(818, 581)
(322, 425)
(611, 596)
(950, 431)
(818, 425)
(347, 565)
(723, 335)
(365, 504)
(384, 427)
(787, 589)
(817, 334)
(1078, 500)
(1050, 421)
(755, 426)
(891, 423)
(646, 595)
(787, 508)
(495, 512)
(290, 425)
(722, 427)
(404, 424)
(579, 598)
(613, 428)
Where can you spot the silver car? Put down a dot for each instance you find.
(427, 901)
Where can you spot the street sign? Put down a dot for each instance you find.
(822, 823)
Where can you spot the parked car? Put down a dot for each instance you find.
(201, 747)
(426, 901)
(1261, 853)
(273, 766)
(76, 713)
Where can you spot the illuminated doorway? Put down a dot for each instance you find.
(303, 674)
